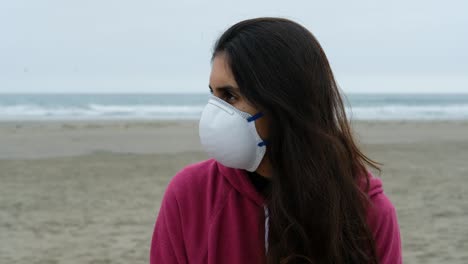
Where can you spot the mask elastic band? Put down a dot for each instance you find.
(255, 117)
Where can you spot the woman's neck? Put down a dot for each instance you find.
(264, 168)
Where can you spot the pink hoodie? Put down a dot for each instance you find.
(213, 214)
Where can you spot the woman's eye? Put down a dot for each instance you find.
(229, 97)
(226, 95)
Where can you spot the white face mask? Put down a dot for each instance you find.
(229, 135)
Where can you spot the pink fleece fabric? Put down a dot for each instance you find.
(213, 214)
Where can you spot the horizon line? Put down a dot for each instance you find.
(207, 93)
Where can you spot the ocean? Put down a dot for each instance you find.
(18, 107)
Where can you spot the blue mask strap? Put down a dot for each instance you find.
(255, 117)
(263, 143)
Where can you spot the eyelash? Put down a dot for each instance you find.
(227, 96)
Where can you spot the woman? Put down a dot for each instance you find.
(287, 183)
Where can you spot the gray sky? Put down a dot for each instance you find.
(164, 46)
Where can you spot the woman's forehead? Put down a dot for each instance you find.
(221, 74)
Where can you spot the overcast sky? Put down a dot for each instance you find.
(165, 46)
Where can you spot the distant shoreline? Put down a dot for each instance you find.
(180, 106)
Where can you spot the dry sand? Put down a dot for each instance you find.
(89, 192)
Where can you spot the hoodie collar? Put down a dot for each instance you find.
(239, 180)
(375, 185)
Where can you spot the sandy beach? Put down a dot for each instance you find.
(89, 191)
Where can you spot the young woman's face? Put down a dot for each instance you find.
(223, 85)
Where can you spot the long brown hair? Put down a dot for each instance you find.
(317, 207)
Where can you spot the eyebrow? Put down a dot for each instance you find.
(225, 87)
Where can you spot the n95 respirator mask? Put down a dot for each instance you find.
(229, 135)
